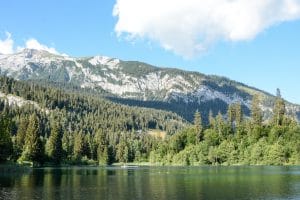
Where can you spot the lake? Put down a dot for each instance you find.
(153, 183)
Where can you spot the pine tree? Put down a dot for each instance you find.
(21, 133)
(67, 144)
(103, 156)
(256, 112)
(122, 153)
(234, 117)
(6, 146)
(231, 116)
(102, 149)
(211, 120)
(55, 150)
(78, 146)
(220, 125)
(238, 114)
(86, 150)
(34, 147)
(278, 110)
(198, 126)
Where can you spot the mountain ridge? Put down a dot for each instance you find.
(125, 81)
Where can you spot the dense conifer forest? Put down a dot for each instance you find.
(62, 127)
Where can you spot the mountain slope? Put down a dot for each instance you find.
(81, 112)
(136, 83)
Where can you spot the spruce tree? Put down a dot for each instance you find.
(256, 112)
(55, 144)
(211, 120)
(102, 149)
(34, 147)
(231, 116)
(103, 157)
(122, 153)
(238, 114)
(220, 125)
(198, 126)
(78, 146)
(278, 110)
(6, 146)
(67, 144)
(21, 133)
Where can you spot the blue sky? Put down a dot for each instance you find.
(266, 58)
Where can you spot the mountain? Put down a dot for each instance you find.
(137, 84)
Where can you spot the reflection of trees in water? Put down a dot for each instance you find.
(152, 183)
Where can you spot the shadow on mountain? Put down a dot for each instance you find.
(183, 109)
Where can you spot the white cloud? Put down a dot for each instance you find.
(6, 45)
(34, 44)
(188, 27)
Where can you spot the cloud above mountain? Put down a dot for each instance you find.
(190, 27)
(7, 46)
(34, 44)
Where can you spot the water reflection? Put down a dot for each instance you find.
(153, 183)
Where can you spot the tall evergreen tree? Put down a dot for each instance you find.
(55, 150)
(68, 144)
(78, 145)
(211, 120)
(278, 110)
(220, 125)
(21, 133)
(102, 148)
(238, 114)
(103, 155)
(256, 112)
(6, 146)
(34, 147)
(198, 126)
(122, 153)
(231, 116)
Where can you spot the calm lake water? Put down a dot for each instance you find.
(153, 183)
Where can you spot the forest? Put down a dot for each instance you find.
(69, 128)
(235, 141)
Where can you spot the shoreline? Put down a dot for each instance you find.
(15, 167)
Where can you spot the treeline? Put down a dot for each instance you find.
(77, 129)
(235, 140)
(65, 147)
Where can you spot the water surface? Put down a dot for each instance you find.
(145, 183)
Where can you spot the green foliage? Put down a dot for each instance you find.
(242, 142)
(212, 137)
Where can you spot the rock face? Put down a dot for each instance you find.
(137, 83)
